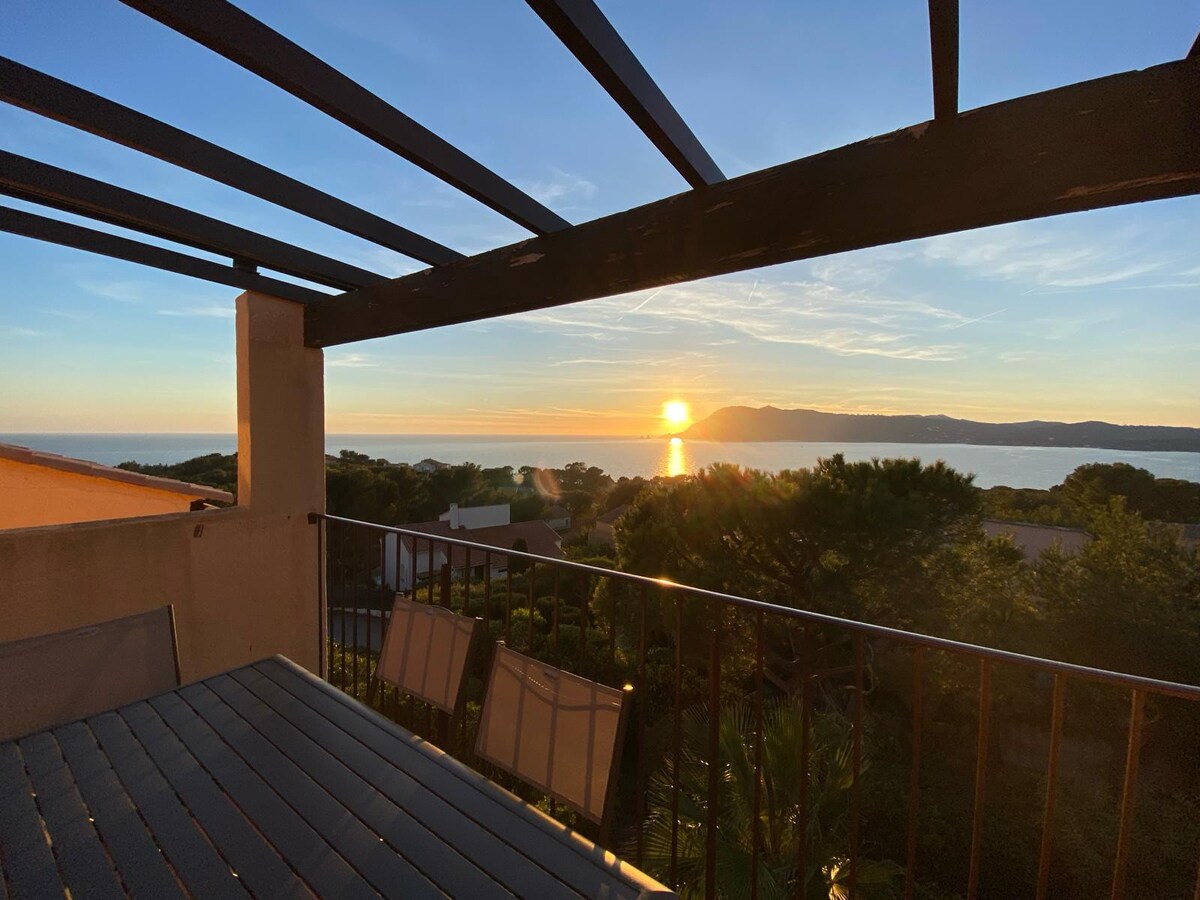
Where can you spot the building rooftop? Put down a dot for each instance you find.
(18, 454)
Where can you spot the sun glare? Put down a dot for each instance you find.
(676, 414)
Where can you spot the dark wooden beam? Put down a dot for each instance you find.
(48, 185)
(245, 40)
(943, 49)
(585, 31)
(15, 221)
(48, 96)
(1122, 139)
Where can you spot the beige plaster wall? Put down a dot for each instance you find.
(37, 495)
(244, 585)
(243, 580)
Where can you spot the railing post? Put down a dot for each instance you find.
(1057, 704)
(1133, 755)
(714, 754)
(914, 777)
(981, 751)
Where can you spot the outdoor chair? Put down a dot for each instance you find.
(555, 731)
(56, 678)
(425, 652)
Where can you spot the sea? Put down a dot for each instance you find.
(1031, 467)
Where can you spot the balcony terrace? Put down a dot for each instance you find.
(749, 760)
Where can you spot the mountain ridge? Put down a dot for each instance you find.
(736, 424)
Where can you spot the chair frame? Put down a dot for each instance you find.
(614, 773)
(446, 720)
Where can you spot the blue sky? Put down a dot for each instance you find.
(1079, 317)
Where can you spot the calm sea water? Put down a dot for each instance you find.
(1037, 467)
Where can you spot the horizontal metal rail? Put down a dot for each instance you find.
(1086, 673)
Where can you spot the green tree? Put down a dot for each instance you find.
(824, 819)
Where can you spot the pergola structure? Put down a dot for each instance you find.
(1121, 139)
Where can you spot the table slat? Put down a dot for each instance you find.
(362, 848)
(132, 848)
(196, 860)
(254, 859)
(304, 849)
(81, 856)
(574, 861)
(27, 859)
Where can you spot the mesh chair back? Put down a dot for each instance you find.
(425, 652)
(553, 730)
(56, 678)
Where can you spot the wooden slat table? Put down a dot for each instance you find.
(268, 782)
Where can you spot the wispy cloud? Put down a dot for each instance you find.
(561, 186)
(814, 313)
(122, 291)
(201, 312)
(352, 361)
(19, 331)
(1045, 257)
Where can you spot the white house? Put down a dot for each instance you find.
(472, 517)
(559, 518)
(406, 566)
(428, 465)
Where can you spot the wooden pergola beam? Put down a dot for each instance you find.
(1122, 139)
(943, 51)
(587, 33)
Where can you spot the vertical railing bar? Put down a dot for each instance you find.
(676, 742)
(432, 600)
(487, 590)
(756, 824)
(467, 582)
(342, 615)
(583, 623)
(508, 602)
(914, 777)
(856, 767)
(554, 618)
(612, 625)
(1133, 755)
(642, 697)
(714, 750)
(531, 574)
(322, 599)
(805, 753)
(1057, 704)
(981, 753)
(382, 695)
(354, 612)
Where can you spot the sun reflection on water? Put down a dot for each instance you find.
(675, 460)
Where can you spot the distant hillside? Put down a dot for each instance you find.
(741, 423)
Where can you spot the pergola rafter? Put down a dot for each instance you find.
(71, 105)
(245, 40)
(49, 185)
(585, 31)
(16, 221)
(1116, 140)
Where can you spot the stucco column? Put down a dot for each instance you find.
(281, 409)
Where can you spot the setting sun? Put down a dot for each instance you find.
(676, 414)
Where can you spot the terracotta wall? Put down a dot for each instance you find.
(37, 495)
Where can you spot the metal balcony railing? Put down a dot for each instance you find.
(686, 649)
